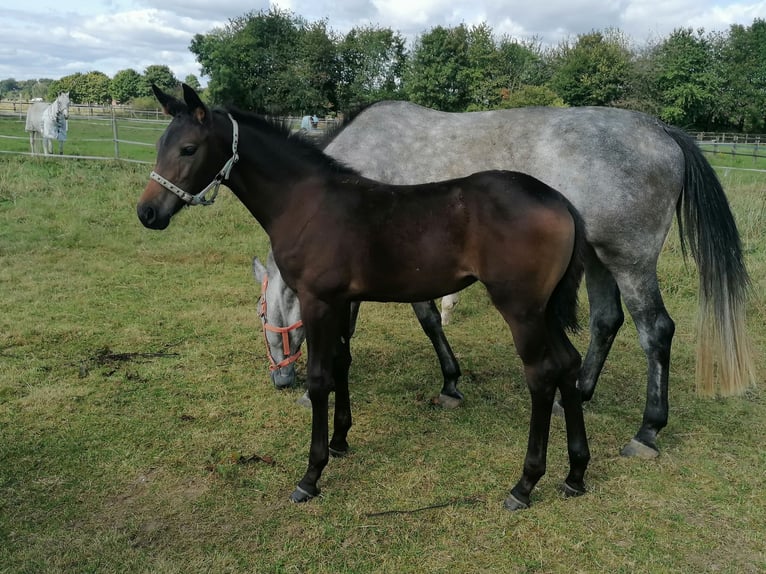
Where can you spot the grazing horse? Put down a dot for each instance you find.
(283, 331)
(338, 237)
(50, 121)
(626, 173)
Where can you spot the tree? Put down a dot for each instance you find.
(486, 73)
(686, 87)
(271, 62)
(313, 76)
(525, 63)
(372, 62)
(126, 85)
(69, 84)
(8, 87)
(162, 77)
(594, 71)
(436, 73)
(526, 95)
(743, 74)
(192, 81)
(94, 88)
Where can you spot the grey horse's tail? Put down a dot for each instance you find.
(707, 227)
(564, 299)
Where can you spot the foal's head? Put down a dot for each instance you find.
(190, 154)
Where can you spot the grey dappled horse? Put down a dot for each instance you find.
(50, 122)
(627, 173)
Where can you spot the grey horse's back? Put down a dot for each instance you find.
(610, 163)
(35, 113)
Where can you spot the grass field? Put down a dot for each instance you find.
(139, 432)
(92, 137)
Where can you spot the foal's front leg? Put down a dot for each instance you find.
(321, 323)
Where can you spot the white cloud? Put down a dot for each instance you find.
(44, 40)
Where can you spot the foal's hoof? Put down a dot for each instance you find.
(558, 410)
(448, 402)
(338, 452)
(639, 450)
(300, 495)
(571, 491)
(512, 503)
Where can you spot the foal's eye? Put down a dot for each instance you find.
(188, 150)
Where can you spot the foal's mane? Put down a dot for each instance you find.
(295, 144)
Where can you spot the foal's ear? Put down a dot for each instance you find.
(170, 105)
(196, 106)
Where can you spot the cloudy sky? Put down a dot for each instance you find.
(55, 38)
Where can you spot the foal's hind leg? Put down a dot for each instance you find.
(428, 315)
(340, 366)
(550, 362)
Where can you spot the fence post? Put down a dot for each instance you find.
(114, 132)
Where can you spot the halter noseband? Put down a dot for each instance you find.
(222, 175)
(284, 331)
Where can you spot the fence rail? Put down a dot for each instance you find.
(93, 130)
(129, 133)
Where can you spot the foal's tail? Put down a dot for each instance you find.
(564, 301)
(706, 224)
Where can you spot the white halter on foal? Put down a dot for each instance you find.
(200, 198)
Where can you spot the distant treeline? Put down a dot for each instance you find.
(279, 63)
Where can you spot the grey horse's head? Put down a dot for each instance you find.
(62, 103)
(283, 330)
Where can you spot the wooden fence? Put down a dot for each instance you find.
(117, 128)
(127, 124)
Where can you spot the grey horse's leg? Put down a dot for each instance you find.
(642, 297)
(430, 320)
(606, 318)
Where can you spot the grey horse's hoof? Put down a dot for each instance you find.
(448, 402)
(571, 491)
(512, 503)
(299, 495)
(304, 401)
(639, 450)
(558, 410)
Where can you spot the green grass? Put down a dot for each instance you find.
(93, 137)
(139, 432)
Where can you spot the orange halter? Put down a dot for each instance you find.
(284, 331)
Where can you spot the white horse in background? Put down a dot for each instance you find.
(49, 120)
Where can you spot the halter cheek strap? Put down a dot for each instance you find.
(200, 198)
(284, 331)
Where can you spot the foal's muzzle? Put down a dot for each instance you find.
(151, 217)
